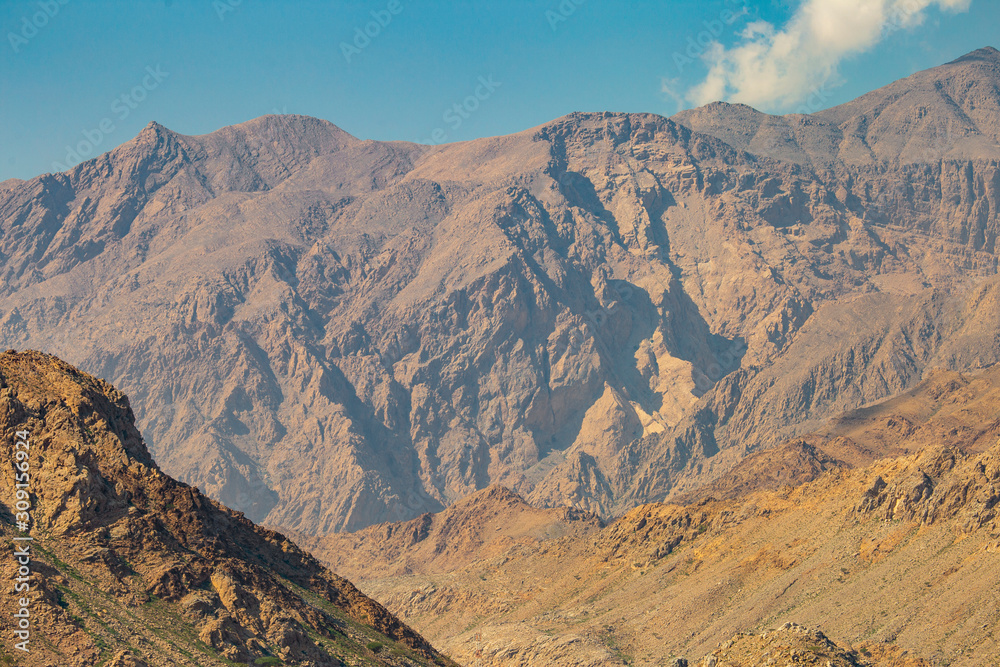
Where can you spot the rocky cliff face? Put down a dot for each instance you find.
(327, 333)
(129, 567)
(881, 530)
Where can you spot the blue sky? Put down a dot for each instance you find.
(96, 72)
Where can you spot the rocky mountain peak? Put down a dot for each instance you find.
(945, 112)
(155, 127)
(987, 54)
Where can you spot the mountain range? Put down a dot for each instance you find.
(607, 310)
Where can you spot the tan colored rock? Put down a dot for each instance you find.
(125, 659)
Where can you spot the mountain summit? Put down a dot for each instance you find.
(325, 332)
(947, 112)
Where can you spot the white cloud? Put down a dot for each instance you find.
(778, 68)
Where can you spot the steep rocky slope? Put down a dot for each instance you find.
(129, 567)
(602, 311)
(881, 529)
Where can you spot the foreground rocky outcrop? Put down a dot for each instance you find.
(793, 644)
(606, 310)
(130, 568)
(881, 530)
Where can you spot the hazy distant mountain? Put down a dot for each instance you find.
(128, 568)
(326, 332)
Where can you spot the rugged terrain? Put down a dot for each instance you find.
(131, 568)
(880, 528)
(602, 311)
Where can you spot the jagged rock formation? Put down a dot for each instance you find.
(328, 333)
(792, 644)
(882, 529)
(131, 568)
